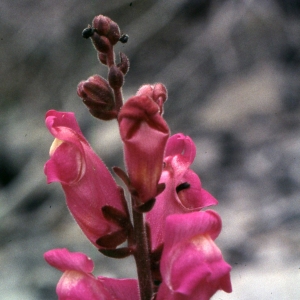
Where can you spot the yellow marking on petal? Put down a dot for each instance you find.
(56, 143)
(206, 245)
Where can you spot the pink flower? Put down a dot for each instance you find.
(87, 183)
(78, 282)
(192, 266)
(183, 192)
(144, 133)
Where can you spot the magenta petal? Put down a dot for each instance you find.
(76, 285)
(87, 183)
(63, 259)
(55, 119)
(62, 170)
(167, 203)
(181, 144)
(192, 266)
(195, 197)
(186, 226)
(121, 289)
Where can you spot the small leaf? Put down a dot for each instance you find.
(116, 216)
(112, 240)
(117, 253)
(145, 207)
(122, 175)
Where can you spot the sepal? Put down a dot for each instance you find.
(112, 240)
(117, 253)
(145, 207)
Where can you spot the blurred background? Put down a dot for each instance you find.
(232, 72)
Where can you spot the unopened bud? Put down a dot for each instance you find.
(101, 24)
(146, 90)
(157, 92)
(102, 58)
(115, 77)
(114, 33)
(104, 26)
(98, 96)
(124, 64)
(101, 43)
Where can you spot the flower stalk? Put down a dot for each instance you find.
(170, 238)
(142, 256)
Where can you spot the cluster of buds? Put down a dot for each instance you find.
(104, 97)
(168, 233)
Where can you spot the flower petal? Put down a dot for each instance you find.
(183, 145)
(121, 288)
(76, 285)
(63, 259)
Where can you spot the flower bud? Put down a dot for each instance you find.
(101, 24)
(124, 64)
(98, 96)
(157, 92)
(115, 77)
(101, 43)
(114, 33)
(104, 26)
(160, 95)
(102, 58)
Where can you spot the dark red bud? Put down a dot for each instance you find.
(102, 58)
(98, 96)
(114, 33)
(101, 24)
(124, 64)
(115, 77)
(101, 43)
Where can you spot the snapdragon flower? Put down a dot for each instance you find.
(192, 266)
(183, 192)
(78, 282)
(86, 181)
(144, 133)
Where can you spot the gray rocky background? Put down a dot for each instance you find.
(232, 71)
